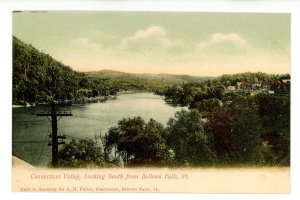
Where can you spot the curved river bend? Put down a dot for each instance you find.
(87, 121)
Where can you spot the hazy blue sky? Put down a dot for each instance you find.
(175, 43)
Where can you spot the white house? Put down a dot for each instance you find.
(286, 80)
(270, 92)
(238, 84)
(231, 88)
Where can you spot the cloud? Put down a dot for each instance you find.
(99, 35)
(224, 43)
(231, 37)
(153, 38)
(85, 43)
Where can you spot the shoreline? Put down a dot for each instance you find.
(85, 99)
(21, 106)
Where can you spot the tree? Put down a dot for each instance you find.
(152, 147)
(274, 112)
(185, 135)
(138, 142)
(247, 136)
(207, 105)
(218, 126)
(247, 131)
(82, 153)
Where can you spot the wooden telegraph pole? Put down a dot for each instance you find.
(54, 114)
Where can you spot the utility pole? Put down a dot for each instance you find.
(54, 114)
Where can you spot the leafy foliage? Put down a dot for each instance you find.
(274, 112)
(246, 132)
(185, 135)
(138, 142)
(37, 77)
(218, 127)
(241, 133)
(82, 153)
(232, 79)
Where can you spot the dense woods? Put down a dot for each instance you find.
(235, 120)
(37, 77)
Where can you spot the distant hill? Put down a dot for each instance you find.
(150, 77)
(122, 81)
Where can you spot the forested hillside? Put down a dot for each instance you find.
(37, 77)
(232, 79)
(114, 81)
(156, 77)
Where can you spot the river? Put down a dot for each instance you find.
(87, 121)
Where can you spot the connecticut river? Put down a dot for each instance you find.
(29, 131)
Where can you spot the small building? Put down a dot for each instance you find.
(231, 88)
(253, 92)
(271, 92)
(245, 86)
(266, 85)
(238, 85)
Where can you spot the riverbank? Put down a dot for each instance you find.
(82, 100)
(22, 106)
(85, 100)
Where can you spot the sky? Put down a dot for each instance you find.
(202, 44)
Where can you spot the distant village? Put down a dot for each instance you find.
(258, 87)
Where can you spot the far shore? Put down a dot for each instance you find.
(21, 106)
(87, 99)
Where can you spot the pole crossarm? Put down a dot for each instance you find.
(55, 117)
(58, 113)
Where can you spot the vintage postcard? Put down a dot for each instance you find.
(151, 102)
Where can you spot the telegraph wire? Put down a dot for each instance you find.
(29, 141)
(43, 145)
(86, 117)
